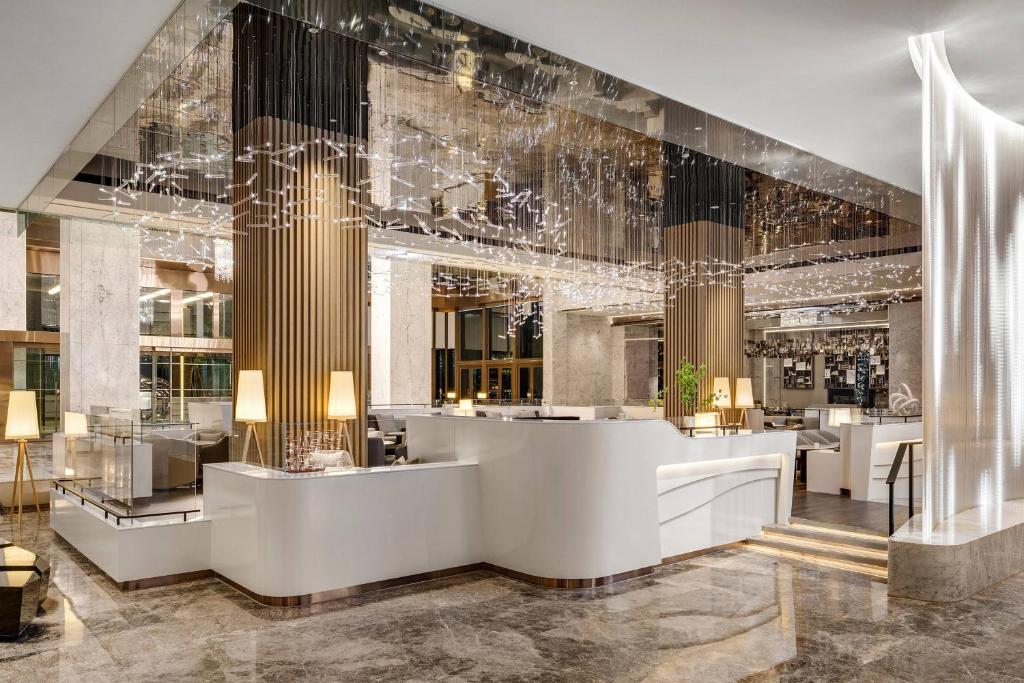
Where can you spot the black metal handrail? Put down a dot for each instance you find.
(104, 505)
(894, 472)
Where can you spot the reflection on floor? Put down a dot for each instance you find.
(40, 452)
(731, 615)
(824, 507)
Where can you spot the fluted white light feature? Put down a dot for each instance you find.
(973, 295)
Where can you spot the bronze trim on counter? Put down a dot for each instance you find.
(682, 557)
(569, 584)
(348, 591)
(338, 593)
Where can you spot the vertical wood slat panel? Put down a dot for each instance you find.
(301, 290)
(703, 324)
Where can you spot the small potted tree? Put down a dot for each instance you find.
(688, 379)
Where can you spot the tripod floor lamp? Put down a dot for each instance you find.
(341, 402)
(22, 425)
(744, 398)
(250, 408)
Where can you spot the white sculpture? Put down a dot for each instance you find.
(903, 402)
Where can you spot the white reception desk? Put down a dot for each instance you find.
(557, 503)
(593, 500)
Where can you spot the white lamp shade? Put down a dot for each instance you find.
(250, 402)
(466, 404)
(75, 424)
(723, 397)
(341, 401)
(744, 393)
(481, 395)
(22, 419)
(839, 416)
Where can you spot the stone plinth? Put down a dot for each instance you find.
(964, 554)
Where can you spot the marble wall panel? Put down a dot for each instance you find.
(905, 346)
(99, 315)
(12, 273)
(401, 332)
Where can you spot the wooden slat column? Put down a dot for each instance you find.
(703, 324)
(703, 223)
(300, 268)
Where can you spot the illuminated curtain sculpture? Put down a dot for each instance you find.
(973, 297)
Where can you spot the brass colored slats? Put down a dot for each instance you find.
(703, 324)
(300, 290)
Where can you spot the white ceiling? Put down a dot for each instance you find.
(59, 59)
(833, 77)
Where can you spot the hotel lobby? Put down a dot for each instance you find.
(383, 340)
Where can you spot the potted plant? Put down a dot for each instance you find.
(688, 379)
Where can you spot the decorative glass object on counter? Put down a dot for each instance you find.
(313, 447)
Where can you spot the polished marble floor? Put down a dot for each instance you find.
(732, 615)
(39, 452)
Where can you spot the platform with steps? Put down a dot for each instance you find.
(832, 545)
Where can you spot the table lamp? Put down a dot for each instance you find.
(450, 396)
(341, 401)
(466, 407)
(481, 395)
(723, 397)
(744, 397)
(250, 408)
(75, 427)
(22, 425)
(839, 416)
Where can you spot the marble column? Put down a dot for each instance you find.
(578, 348)
(905, 348)
(12, 274)
(401, 332)
(99, 315)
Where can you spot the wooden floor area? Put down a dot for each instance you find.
(824, 507)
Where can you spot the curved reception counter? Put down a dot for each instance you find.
(587, 502)
(556, 503)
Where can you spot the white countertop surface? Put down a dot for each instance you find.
(257, 472)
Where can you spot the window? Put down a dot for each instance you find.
(225, 304)
(472, 335)
(37, 368)
(512, 367)
(500, 346)
(155, 311)
(529, 337)
(42, 302)
(168, 381)
(470, 382)
(444, 354)
(197, 314)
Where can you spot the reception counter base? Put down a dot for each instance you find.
(604, 503)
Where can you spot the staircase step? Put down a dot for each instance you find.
(820, 549)
(875, 573)
(833, 526)
(827, 535)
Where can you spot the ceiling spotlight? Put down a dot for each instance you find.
(313, 29)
